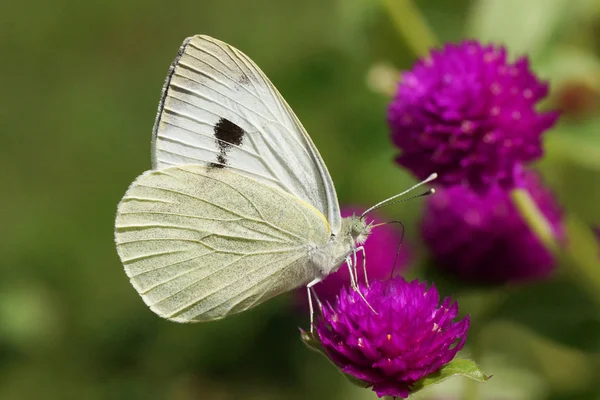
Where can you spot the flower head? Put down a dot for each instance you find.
(468, 114)
(484, 238)
(410, 336)
(381, 248)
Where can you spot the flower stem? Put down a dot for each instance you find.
(578, 266)
(535, 219)
(411, 25)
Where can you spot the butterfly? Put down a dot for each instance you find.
(239, 206)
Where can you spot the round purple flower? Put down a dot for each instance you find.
(410, 336)
(381, 248)
(468, 114)
(483, 238)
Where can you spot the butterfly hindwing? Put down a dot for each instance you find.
(200, 243)
(218, 109)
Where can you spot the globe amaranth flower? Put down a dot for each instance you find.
(381, 248)
(469, 114)
(409, 336)
(483, 238)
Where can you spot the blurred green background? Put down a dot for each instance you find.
(80, 86)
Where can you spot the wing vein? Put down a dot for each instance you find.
(213, 78)
(137, 198)
(196, 198)
(191, 229)
(174, 112)
(184, 215)
(171, 265)
(195, 93)
(146, 256)
(199, 299)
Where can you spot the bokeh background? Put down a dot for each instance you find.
(80, 85)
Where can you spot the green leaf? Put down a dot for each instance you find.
(311, 342)
(456, 367)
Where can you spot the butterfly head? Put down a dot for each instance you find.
(357, 228)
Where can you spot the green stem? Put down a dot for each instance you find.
(411, 25)
(580, 266)
(535, 219)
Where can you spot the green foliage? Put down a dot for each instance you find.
(456, 367)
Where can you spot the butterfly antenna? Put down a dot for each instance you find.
(390, 200)
(399, 244)
(399, 247)
(426, 193)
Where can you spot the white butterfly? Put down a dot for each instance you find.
(239, 206)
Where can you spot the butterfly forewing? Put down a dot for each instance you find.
(200, 243)
(219, 110)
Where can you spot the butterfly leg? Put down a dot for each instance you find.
(364, 263)
(354, 264)
(351, 272)
(354, 284)
(311, 292)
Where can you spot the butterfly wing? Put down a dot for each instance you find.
(200, 243)
(219, 109)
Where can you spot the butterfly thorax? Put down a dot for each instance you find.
(353, 232)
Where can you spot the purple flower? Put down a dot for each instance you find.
(468, 114)
(381, 248)
(483, 238)
(410, 336)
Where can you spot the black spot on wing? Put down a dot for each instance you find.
(227, 134)
(221, 162)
